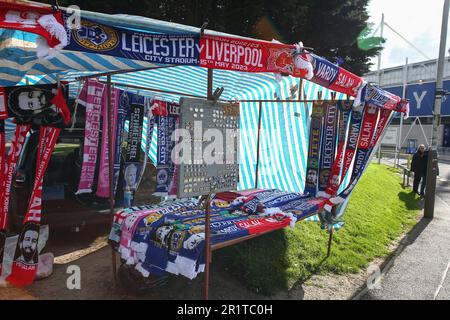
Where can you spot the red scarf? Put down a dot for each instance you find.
(25, 263)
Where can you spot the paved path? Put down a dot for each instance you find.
(422, 269)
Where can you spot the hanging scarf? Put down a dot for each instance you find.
(335, 175)
(91, 96)
(103, 176)
(36, 19)
(25, 263)
(122, 111)
(167, 121)
(373, 140)
(328, 145)
(314, 148)
(132, 166)
(148, 136)
(367, 132)
(7, 175)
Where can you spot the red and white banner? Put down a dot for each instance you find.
(248, 55)
(36, 19)
(25, 263)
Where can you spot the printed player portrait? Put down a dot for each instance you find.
(32, 104)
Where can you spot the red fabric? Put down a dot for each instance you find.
(159, 108)
(60, 102)
(23, 272)
(247, 55)
(259, 225)
(25, 17)
(368, 127)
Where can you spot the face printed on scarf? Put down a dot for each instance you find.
(29, 245)
(371, 109)
(335, 181)
(193, 241)
(32, 100)
(162, 234)
(311, 177)
(130, 176)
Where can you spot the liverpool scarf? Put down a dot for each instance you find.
(91, 97)
(314, 148)
(25, 263)
(360, 165)
(335, 175)
(7, 171)
(365, 138)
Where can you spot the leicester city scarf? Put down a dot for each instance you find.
(314, 148)
(103, 175)
(328, 145)
(133, 166)
(335, 178)
(165, 168)
(91, 97)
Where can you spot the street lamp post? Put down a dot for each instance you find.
(432, 155)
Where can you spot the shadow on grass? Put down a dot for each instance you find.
(410, 199)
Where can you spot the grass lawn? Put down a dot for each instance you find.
(379, 211)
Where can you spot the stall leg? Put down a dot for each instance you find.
(207, 247)
(111, 172)
(330, 242)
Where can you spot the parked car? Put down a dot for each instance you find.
(61, 206)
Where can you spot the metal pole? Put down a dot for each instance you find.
(207, 246)
(379, 76)
(111, 170)
(208, 212)
(399, 138)
(258, 145)
(210, 84)
(432, 156)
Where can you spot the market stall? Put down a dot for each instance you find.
(302, 147)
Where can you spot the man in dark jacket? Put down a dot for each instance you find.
(419, 167)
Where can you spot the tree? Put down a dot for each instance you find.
(331, 27)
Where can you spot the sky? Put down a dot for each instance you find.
(418, 21)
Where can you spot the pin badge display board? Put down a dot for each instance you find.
(214, 144)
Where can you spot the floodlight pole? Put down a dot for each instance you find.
(398, 146)
(432, 155)
(379, 76)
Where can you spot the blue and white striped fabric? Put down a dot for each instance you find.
(284, 127)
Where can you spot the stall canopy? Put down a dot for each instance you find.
(284, 137)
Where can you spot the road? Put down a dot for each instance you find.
(421, 268)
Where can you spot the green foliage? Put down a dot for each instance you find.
(379, 211)
(331, 27)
